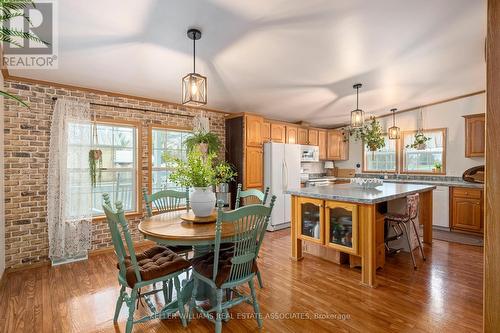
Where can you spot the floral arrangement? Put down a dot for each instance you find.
(224, 173)
(419, 141)
(196, 171)
(371, 134)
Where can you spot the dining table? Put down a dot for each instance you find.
(169, 229)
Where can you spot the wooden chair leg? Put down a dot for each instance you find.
(407, 236)
(256, 307)
(259, 279)
(192, 305)
(418, 238)
(119, 303)
(170, 290)
(165, 291)
(180, 303)
(218, 312)
(131, 309)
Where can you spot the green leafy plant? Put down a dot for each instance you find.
(438, 166)
(10, 9)
(371, 134)
(196, 171)
(207, 142)
(224, 173)
(95, 165)
(419, 141)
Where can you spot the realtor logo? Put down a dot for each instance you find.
(29, 34)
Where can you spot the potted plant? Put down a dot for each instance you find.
(95, 165)
(437, 167)
(196, 171)
(371, 134)
(224, 173)
(419, 141)
(207, 142)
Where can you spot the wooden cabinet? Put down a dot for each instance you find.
(311, 221)
(337, 149)
(254, 167)
(253, 125)
(278, 133)
(312, 137)
(341, 226)
(302, 136)
(266, 132)
(322, 143)
(475, 126)
(466, 209)
(291, 134)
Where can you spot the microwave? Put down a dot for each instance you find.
(309, 154)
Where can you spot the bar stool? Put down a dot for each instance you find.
(399, 224)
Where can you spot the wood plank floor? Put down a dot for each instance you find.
(443, 295)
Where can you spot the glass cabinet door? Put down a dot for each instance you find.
(342, 226)
(311, 219)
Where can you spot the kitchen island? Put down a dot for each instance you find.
(350, 219)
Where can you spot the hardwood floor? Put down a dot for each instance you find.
(444, 294)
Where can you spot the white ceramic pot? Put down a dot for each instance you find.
(202, 201)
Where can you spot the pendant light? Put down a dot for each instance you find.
(357, 116)
(394, 131)
(194, 85)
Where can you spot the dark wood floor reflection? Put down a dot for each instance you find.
(443, 295)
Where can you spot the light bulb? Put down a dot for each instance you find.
(194, 88)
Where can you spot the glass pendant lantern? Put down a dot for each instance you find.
(358, 115)
(194, 85)
(394, 132)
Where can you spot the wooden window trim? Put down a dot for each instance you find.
(138, 126)
(395, 171)
(402, 155)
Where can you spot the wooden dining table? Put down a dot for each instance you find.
(170, 230)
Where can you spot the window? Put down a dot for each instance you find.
(382, 160)
(171, 142)
(424, 160)
(118, 144)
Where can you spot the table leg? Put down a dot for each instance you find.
(367, 222)
(425, 215)
(296, 241)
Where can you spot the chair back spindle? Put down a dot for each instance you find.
(165, 201)
(260, 196)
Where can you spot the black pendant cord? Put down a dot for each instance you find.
(357, 98)
(194, 55)
(393, 117)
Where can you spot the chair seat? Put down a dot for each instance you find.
(153, 263)
(204, 265)
(397, 217)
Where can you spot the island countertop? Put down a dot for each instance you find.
(356, 194)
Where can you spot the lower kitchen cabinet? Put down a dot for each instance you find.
(466, 209)
(311, 219)
(341, 226)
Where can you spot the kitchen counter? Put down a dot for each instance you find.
(435, 182)
(356, 194)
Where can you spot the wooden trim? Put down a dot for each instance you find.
(320, 204)
(402, 155)
(473, 115)
(363, 164)
(138, 126)
(26, 266)
(353, 208)
(9, 77)
(150, 147)
(368, 245)
(491, 308)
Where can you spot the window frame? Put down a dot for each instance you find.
(150, 149)
(396, 167)
(402, 148)
(138, 179)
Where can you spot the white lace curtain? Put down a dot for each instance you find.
(69, 192)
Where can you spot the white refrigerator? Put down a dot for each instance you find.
(281, 172)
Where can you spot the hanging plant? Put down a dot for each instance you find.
(371, 134)
(419, 141)
(207, 142)
(95, 165)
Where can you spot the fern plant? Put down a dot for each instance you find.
(10, 9)
(210, 140)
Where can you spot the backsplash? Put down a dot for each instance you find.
(411, 177)
(312, 167)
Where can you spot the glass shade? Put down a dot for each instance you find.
(194, 89)
(357, 118)
(393, 133)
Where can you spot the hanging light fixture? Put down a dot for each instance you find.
(394, 131)
(194, 85)
(357, 116)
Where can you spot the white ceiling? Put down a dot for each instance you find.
(291, 60)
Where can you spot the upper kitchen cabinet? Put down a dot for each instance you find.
(278, 133)
(337, 149)
(312, 137)
(302, 136)
(322, 143)
(474, 135)
(266, 131)
(291, 134)
(254, 125)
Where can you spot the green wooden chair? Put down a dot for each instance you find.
(157, 264)
(262, 197)
(167, 201)
(228, 267)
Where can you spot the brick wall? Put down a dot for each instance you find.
(26, 142)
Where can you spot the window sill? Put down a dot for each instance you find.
(101, 218)
(425, 173)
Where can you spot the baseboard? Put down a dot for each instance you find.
(278, 227)
(27, 266)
